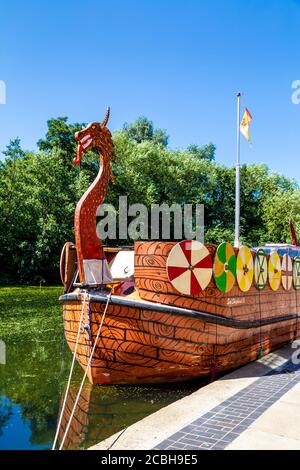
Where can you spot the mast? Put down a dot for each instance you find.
(237, 177)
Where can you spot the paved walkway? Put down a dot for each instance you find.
(224, 423)
(256, 407)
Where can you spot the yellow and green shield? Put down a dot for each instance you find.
(225, 267)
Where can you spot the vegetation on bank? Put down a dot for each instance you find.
(39, 191)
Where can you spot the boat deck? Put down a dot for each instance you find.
(255, 407)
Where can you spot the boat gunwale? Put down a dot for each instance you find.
(177, 311)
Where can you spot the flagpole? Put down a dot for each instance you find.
(237, 177)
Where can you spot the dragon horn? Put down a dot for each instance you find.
(105, 120)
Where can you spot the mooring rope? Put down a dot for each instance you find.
(214, 366)
(296, 329)
(85, 374)
(86, 295)
(261, 349)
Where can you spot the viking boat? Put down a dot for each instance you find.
(168, 311)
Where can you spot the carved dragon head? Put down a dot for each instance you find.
(94, 135)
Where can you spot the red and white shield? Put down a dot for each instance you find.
(189, 267)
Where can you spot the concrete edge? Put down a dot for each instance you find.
(150, 431)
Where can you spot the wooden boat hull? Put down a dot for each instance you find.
(143, 342)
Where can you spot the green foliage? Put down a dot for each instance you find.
(39, 192)
(207, 152)
(37, 202)
(167, 176)
(142, 129)
(60, 135)
(276, 212)
(14, 151)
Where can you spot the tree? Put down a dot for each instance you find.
(142, 130)
(14, 151)
(37, 217)
(60, 135)
(39, 192)
(207, 152)
(276, 212)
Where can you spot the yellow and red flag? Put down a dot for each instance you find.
(245, 124)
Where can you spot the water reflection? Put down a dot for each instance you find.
(77, 432)
(33, 380)
(15, 432)
(104, 410)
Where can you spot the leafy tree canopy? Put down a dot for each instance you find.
(206, 152)
(14, 151)
(39, 191)
(60, 135)
(142, 130)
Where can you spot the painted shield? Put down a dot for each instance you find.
(274, 269)
(244, 268)
(260, 269)
(287, 272)
(225, 267)
(189, 267)
(296, 273)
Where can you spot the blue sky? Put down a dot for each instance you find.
(180, 63)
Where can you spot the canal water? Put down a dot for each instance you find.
(34, 376)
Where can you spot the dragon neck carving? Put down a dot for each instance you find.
(88, 245)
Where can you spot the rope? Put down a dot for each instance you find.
(62, 354)
(102, 269)
(70, 374)
(296, 328)
(214, 367)
(85, 374)
(117, 438)
(260, 352)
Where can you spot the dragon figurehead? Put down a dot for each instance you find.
(95, 135)
(88, 245)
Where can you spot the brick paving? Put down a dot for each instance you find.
(220, 426)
